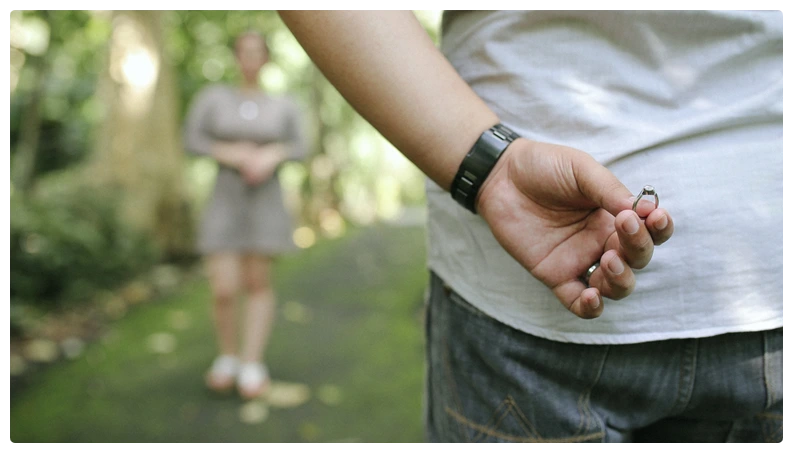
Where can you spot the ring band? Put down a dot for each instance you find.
(646, 190)
(590, 271)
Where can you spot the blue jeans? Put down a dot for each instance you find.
(487, 382)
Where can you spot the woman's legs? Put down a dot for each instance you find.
(259, 316)
(223, 272)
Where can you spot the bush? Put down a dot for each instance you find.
(68, 241)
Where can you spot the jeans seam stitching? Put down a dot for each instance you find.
(495, 424)
(480, 435)
(766, 372)
(769, 428)
(685, 394)
(452, 386)
(480, 428)
(447, 374)
(527, 425)
(585, 398)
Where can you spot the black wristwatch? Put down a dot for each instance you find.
(478, 164)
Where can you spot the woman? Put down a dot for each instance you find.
(249, 133)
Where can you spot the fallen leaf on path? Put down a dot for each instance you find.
(180, 319)
(296, 312)
(329, 394)
(254, 412)
(288, 394)
(18, 365)
(308, 431)
(41, 350)
(162, 343)
(72, 347)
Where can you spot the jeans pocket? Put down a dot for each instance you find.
(491, 383)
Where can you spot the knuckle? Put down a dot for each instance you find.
(621, 289)
(641, 248)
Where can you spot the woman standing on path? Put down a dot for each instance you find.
(249, 133)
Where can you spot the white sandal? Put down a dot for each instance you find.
(253, 380)
(220, 376)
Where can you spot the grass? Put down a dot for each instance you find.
(346, 353)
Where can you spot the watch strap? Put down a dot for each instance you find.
(478, 163)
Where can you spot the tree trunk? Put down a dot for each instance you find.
(138, 147)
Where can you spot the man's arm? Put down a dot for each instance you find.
(554, 209)
(388, 69)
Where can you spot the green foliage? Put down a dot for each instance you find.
(358, 174)
(70, 44)
(199, 46)
(67, 241)
(66, 238)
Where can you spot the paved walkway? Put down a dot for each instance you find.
(346, 357)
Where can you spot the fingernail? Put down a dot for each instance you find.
(631, 226)
(615, 266)
(661, 223)
(596, 302)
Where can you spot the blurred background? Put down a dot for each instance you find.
(110, 318)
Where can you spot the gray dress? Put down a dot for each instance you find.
(243, 218)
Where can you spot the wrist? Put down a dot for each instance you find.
(478, 164)
(499, 176)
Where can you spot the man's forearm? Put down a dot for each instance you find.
(388, 69)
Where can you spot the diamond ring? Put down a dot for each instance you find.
(646, 190)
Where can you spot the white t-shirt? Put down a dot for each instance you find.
(689, 102)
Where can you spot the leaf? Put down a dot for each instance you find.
(288, 394)
(254, 412)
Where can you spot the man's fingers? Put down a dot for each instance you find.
(632, 241)
(660, 225)
(614, 278)
(583, 302)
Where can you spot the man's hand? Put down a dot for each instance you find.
(554, 209)
(557, 211)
